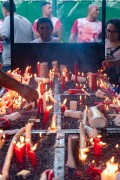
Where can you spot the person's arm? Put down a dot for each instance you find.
(58, 30)
(5, 30)
(35, 31)
(25, 91)
(74, 32)
(110, 63)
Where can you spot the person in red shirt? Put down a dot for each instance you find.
(87, 29)
(47, 12)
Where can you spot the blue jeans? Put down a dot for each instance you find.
(6, 68)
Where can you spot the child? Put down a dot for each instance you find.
(45, 29)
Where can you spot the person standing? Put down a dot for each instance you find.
(47, 13)
(23, 33)
(87, 29)
(112, 50)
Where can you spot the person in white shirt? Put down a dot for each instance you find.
(87, 29)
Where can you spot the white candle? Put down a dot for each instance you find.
(28, 131)
(73, 114)
(53, 124)
(73, 105)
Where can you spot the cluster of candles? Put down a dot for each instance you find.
(111, 171)
(23, 147)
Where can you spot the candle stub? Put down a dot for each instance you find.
(73, 114)
(73, 105)
(23, 174)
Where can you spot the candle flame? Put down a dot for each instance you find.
(34, 147)
(65, 100)
(117, 146)
(3, 136)
(102, 143)
(93, 161)
(22, 139)
(82, 154)
(86, 107)
(82, 74)
(49, 107)
(1, 131)
(40, 135)
(99, 136)
(107, 108)
(91, 140)
(53, 124)
(111, 166)
(80, 97)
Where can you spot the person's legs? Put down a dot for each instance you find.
(6, 68)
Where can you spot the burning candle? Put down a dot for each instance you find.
(40, 136)
(76, 72)
(42, 88)
(111, 171)
(82, 154)
(53, 124)
(27, 145)
(51, 83)
(80, 99)
(63, 107)
(46, 115)
(63, 81)
(82, 74)
(32, 155)
(98, 146)
(38, 69)
(40, 105)
(98, 149)
(18, 152)
(22, 145)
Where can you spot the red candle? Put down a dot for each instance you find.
(74, 91)
(63, 107)
(18, 153)
(50, 174)
(63, 82)
(42, 88)
(76, 72)
(46, 117)
(38, 68)
(27, 146)
(40, 105)
(97, 147)
(22, 147)
(76, 86)
(51, 83)
(32, 157)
